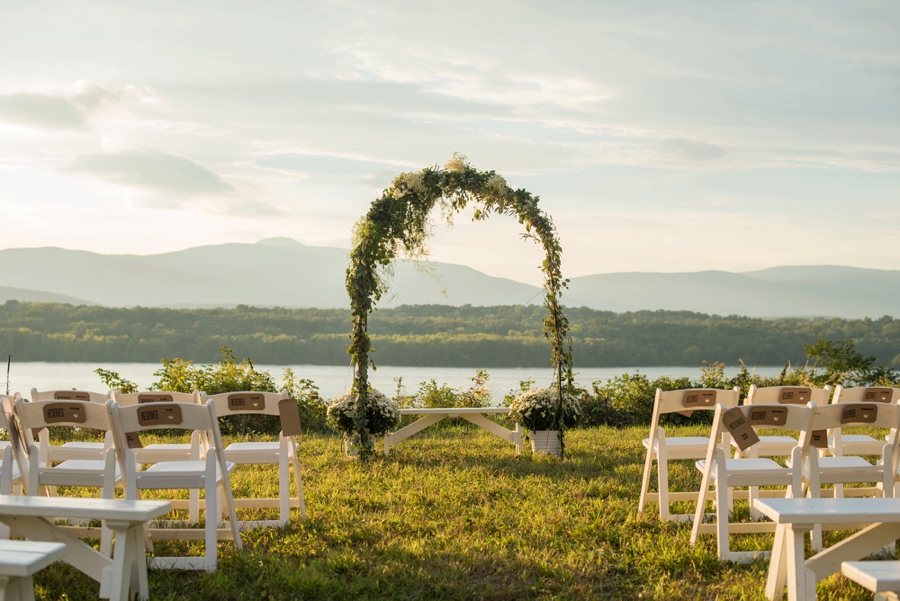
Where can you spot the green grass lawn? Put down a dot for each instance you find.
(455, 513)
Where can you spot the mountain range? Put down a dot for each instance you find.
(283, 272)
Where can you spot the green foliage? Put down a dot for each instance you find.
(312, 407)
(232, 375)
(398, 225)
(229, 375)
(432, 395)
(842, 364)
(425, 335)
(113, 381)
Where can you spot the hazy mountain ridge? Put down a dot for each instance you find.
(283, 272)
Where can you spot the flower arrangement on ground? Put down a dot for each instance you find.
(382, 414)
(535, 409)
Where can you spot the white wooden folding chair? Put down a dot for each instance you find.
(840, 443)
(41, 471)
(282, 453)
(662, 448)
(76, 450)
(170, 451)
(778, 445)
(10, 471)
(725, 474)
(854, 469)
(210, 474)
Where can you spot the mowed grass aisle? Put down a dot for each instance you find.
(455, 514)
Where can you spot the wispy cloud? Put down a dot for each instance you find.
(153, 171)
(68, 108)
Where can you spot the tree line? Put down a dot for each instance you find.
(425, 335)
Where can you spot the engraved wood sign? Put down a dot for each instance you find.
(71, 395)
(795, 395)
(55, 413)
(878, 395)
(740, 429)
(859, 414)
(770, 416)
(697, 399)
(246, 402)
(154, 398)
(162, 414)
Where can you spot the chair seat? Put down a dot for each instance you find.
(773, 446)
(81, 466)
(681, 447)
(252, 447)
(744, 468)
(76, 450)
(858, 444)
(154, 453)
(168, 469)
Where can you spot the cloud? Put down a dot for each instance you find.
(174, 176)
(41, 110)
(71, 109)
(693, 150)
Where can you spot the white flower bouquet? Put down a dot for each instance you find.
(535, 409)
(382, 414)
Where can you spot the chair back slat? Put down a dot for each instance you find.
(191, 417)
(79, 414)
(788, 395)
(70, 395)
(867, 394)
(248, 401)
(694, 399)
(155, 396)
(843, 415)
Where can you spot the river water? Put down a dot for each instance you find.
(334, 380)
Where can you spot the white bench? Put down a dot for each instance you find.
(880, 577)
(19, 560)
(32, 518)
(475, 415)
(878, 522)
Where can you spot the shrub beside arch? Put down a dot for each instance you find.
(398, 225)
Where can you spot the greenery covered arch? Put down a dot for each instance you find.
(398, 225)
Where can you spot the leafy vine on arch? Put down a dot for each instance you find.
(398, 225)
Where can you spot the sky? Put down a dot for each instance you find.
(660, 137)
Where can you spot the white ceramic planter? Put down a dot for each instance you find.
(350, 448)
(545, 441)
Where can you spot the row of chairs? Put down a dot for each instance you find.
(822, 455)
(32, 463)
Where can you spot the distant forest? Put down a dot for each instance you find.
(424, 335)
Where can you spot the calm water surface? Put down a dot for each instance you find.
(334, 380)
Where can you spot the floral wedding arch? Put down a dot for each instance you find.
(397, 226)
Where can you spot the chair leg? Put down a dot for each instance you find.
(212, 519)
(284, 489)
(194, 506)
(755, 514)
(299, 481)
(662, 468)
(645, 480)
(722, 517)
